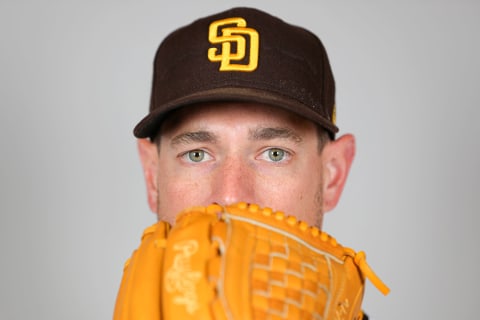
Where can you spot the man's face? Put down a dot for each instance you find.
(231, 152)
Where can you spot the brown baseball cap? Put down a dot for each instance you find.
(242, 54)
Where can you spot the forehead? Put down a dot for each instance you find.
(235, 114)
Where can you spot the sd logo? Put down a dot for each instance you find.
(237, 34)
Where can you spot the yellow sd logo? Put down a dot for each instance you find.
(235, 32)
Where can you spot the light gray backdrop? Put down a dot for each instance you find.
(75, 79)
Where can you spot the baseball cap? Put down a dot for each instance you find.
(242, 54)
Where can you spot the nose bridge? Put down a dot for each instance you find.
(234, 182)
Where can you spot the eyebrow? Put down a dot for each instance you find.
(265, 133)
(192, 137)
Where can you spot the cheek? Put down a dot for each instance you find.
(178, 190)
(297, 193)
(280, 192)
(176, 194)
(172, 177)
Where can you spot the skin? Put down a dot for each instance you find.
(231, 152)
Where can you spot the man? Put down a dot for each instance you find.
(242, 110)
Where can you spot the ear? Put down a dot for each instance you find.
(148, 153)
(337, 158)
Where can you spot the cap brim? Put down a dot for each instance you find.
(149, 125)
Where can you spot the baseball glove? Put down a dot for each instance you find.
(241, 262)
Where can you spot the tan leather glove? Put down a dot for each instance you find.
(241, 262)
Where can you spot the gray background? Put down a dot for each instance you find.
(75, 79)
